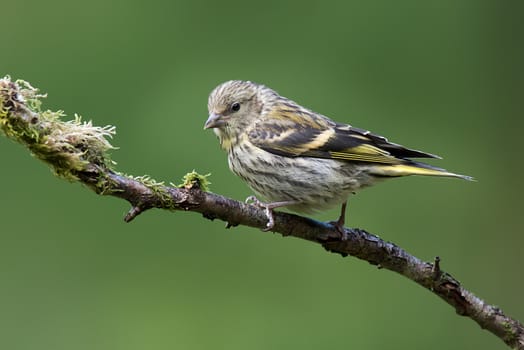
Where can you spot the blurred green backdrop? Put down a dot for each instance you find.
(445, 77)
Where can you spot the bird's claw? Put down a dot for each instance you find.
(253, 200)
(268, 209)
(340, 229)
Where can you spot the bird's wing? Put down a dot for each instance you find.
(311, 135)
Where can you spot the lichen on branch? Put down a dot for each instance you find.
(68, 147)
(77, 150)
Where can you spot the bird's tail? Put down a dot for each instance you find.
(413, 168)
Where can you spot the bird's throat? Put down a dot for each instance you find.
(226, 138)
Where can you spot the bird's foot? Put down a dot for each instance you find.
(268, 209)
(339, 224)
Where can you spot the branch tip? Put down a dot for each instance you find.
(133, 213)
(435, 271)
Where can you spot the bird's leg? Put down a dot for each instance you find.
(339, 224)
(268, 207)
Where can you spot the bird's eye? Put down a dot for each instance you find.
(235, 107)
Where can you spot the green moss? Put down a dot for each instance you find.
(146, 180)
(194, 179)
(159, 188)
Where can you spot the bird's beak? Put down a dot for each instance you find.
(214, 121)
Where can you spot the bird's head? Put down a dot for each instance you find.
(233, 106)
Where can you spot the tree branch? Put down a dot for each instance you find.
(78, 151)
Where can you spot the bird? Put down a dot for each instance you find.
(296, 158)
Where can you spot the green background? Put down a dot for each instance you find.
(442, 76)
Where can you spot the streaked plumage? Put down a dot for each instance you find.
(287, 153)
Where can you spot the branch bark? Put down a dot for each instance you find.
(78, 151)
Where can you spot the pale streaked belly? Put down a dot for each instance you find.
(316, 184)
